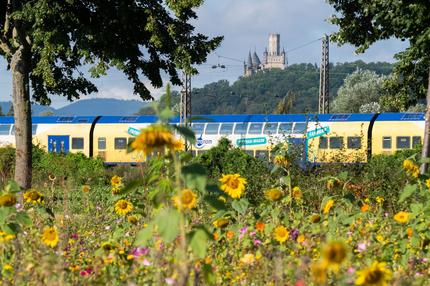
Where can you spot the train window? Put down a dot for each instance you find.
(255, 128)
(416, 141)
(285, 127)
(198, 128)
(78, 143)
(354, 142)
(300, 128)
(323, 143)
(336, 142)
(33, 129)
(226, 128)
(262, 154)
(250, 152)
(212, 128)
(241, 128)
(386, 142)
(101, 143)
(403, 142)
(270, 128)
(4, 129)
(120, 143)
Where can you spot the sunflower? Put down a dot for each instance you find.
(132, 219)
(428, 184)
(281, 234)
(34, 197)
(281, 161)
(273, 194)
(222, 222)
(315, 218)
(155, 138)
(248, 259)
(116, 181)
(297, 193)
(86, 189)
(375, 275)
(319, 273)
(123, 207)
(328, 206)
(411, 168)
(334, 253)
(7, 200)
(401, 217)
(186, 199)
(50, 236)
(233, 185)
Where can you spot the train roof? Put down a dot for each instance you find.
(343, 117)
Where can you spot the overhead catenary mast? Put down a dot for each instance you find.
(323, 98)
(185, 104)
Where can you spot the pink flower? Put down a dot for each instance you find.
(243, 231)
(86, 272)
(169, 281)
(257, 242)
(146, 262)
(252, 234)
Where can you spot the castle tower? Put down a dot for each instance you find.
(273, 57)
(249, 67)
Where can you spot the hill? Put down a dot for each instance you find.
(262, 92)
(96, 106)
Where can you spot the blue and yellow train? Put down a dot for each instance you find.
(323, 138)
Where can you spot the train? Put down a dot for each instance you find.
(320, 138)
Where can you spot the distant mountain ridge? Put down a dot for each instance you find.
(87, 107)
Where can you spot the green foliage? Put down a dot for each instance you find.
(360, 88)
(293, 90)
(223, 159)
(363, 23)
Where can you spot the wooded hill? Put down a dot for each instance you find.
(297, 85)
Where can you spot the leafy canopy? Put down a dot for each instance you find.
(364, 22)
(138, 37)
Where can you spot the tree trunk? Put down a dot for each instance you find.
(22, 116)
(426, 146)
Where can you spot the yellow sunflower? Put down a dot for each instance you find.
(222, 222)
(319, 273)
(411, 168)
(315, 218)
(328, 206)
(375, 275)
(248, 259)
(186, 199)
(34, 197)
(428, 184)
(86, 189)
(50, 236)
(297, 193)
(333, 254)
(401, 217)
(281, 234)
(132, 219)
(281, 161)
(233, 185)
(7, 200)
(273, 194)
(123, 207)
(155, 138)
(116, 181)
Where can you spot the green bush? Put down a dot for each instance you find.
(224, 159)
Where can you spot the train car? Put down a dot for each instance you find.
(320, 139)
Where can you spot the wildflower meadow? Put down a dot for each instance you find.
(222, 218)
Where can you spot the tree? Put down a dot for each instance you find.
(45, 43)
(359, 88)
(285, 105)
(362, 23)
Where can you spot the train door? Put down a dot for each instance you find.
(58, 144)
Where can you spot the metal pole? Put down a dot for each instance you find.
(323, 98)
(185, 104)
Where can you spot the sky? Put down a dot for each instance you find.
(245, 25)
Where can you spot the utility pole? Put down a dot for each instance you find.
(323, 99)
(185, 104)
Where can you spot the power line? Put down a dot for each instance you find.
(302, 46)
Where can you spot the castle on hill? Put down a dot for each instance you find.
(273, 58)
